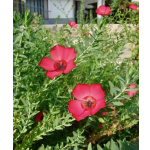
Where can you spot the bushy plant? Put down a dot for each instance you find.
(41, 117)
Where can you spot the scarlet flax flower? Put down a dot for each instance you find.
(133, 6)
(134, 116)
(39, 116)
(101, 125)
(112, 108)
(137, 28)
(103, 10)
(123, 100)
(73, 24)
(63, 61)
(131, 93)
(90, 99)
(86, 33)
(104, 113)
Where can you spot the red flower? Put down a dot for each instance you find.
(104, 113)
(133, 6)
(114, 108)
(101, 125)
(103, 10)
(63, 61)
(73, 24)
(111, 108)
(131, 93)
(134, 116)
(123, 100)
(137, 28)
(90, 100)
(86, 33)
(39, 116)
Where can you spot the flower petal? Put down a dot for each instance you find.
(104, 113)
(132, 86)
(133, 6)
(75, 26)
(83, 115)
(41, 113)
(56, 52)
(81, 91)
(97, 11)
(38, 118)
(70, 66)
(131, 93)
(68, 54)
(75, 107)
(101, 125)
(102, 9)
(52, 74)
(107, 10)
(99, 104)
(69, 22)
(96, 91)
(47, 63)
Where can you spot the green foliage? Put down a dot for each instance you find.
(121, 12)
(97, 61)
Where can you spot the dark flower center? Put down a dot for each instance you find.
(41, 117)
(60, 65)
(88, 103)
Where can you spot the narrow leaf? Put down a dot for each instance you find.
(17, 39)
(113, 145)
(99, 147)
(118, 103)
(90, 146)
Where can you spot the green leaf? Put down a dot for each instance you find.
(23, 56)
(30, 43)
(127, 77)
(117, 103)
(26, 34)
(117, 89)
(136, 89)
(76, 147)
(55, 122)
(120, 78)
(29, 20)
(131, 70)
(126, 97)
(86, 40)
(107, 144)
(133, 146)
(113, 145)
(99, 147)
(122, 85)
(27, 13)
(112, 88)
(125, 145)
(89, 146)
(17, 39)
(78, 49)
(101, 120)
(92, 118)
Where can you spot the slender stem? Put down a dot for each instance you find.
(120, 93)
(86, 49)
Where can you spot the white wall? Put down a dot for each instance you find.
(54, 12)
(90, 1)
(99, 3)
